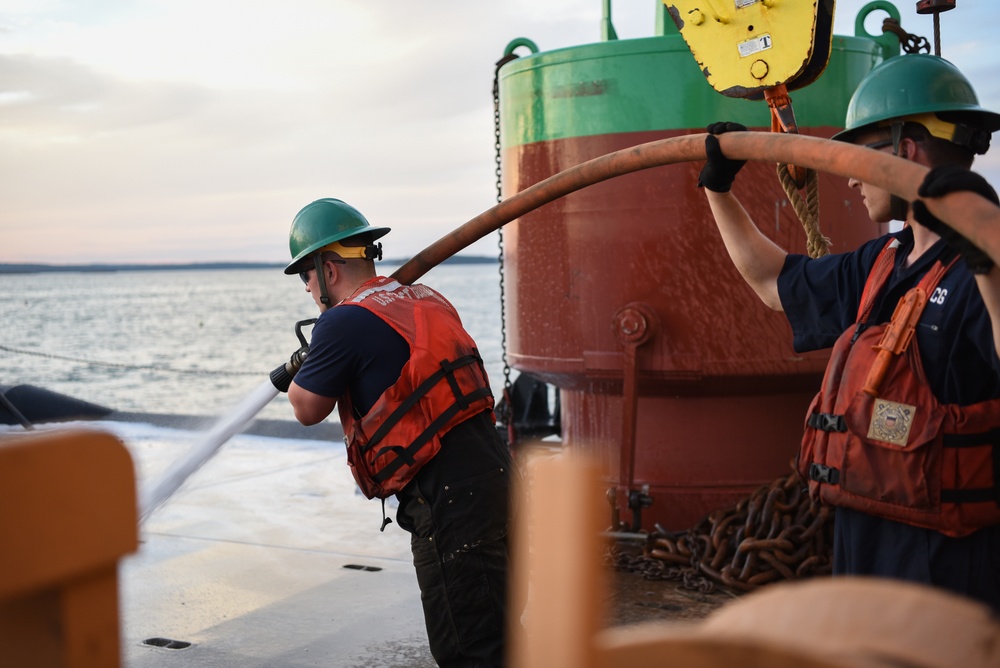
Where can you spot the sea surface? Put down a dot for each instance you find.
(188, 342)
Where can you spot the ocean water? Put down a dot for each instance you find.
(189, 342)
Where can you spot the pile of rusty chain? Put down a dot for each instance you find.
(655, 569)
(777, 533)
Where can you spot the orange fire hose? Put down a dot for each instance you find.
(971, 215)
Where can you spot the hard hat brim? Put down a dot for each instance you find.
(294, 266)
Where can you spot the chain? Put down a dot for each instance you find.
(138, 367)
(777, 533)
(909, 43)
(656, 569)
(499, 182)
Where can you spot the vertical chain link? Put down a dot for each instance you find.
(499, 183)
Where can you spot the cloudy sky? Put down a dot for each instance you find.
(193, 130)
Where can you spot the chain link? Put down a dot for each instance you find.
(499, 183)
(777, 533)
(908, 42)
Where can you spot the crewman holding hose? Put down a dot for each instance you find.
(417, 412)
(904, 435)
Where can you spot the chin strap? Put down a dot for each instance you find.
(371, 251)
(324, 296)
(899, 208)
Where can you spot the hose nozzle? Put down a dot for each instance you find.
(282, 375)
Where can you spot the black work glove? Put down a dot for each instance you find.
(719, 171)
(282, 376)
(948, 179)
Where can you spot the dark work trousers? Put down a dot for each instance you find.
(458, 512)
(868, 545)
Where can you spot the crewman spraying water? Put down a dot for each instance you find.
(417, 412)
(904, 436)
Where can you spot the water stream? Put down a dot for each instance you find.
(155, 494)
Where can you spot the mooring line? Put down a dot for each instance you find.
(137, 367)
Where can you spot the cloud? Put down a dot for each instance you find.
(50, 100)
(146, 130)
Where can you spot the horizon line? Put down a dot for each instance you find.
(35, 267)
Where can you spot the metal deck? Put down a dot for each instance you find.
(268, 556)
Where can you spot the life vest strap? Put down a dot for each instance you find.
(385, 518)
(449, 373)
(979, 439)
(877, 278)
(991, 437)
(404, 455)
(422, 389)
(981, 495)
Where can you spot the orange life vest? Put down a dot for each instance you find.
(440, 386)
(895, 451)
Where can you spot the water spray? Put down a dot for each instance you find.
(225, 428)
(971, 215)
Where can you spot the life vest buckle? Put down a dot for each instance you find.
(823, 473)
(827, 422)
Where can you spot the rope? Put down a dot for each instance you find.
(807, 209)
(137, 367)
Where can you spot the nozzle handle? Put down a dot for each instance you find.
(282, 376)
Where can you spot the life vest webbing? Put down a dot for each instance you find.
(876, 278)
(982, 494)
(447, 370)
(991, 437)
(404, 455)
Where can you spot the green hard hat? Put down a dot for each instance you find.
(323, 222)
(916, 84)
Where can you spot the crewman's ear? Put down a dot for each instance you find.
(907, 148)
(331, 271)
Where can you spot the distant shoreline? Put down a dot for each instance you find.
(38, 268)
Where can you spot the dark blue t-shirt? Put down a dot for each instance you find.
(955, 337)
(353, 350)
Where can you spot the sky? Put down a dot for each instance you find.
(163, 131)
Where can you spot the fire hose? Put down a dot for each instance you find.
(975, 217)
(778, 532)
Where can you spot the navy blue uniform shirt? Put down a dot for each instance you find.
(954, 335)
(353, 350)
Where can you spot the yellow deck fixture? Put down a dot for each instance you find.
(67, 515)
(746, 46)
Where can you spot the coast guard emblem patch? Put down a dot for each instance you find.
(891, 422)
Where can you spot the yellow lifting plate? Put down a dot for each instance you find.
(746, 46)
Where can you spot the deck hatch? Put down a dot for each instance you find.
(166, 643)
(359, 567)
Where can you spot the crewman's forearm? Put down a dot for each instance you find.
(758, 259)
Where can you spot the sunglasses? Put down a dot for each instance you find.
(304, 274)
(879, 144)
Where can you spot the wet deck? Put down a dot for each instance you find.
(269, 557)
